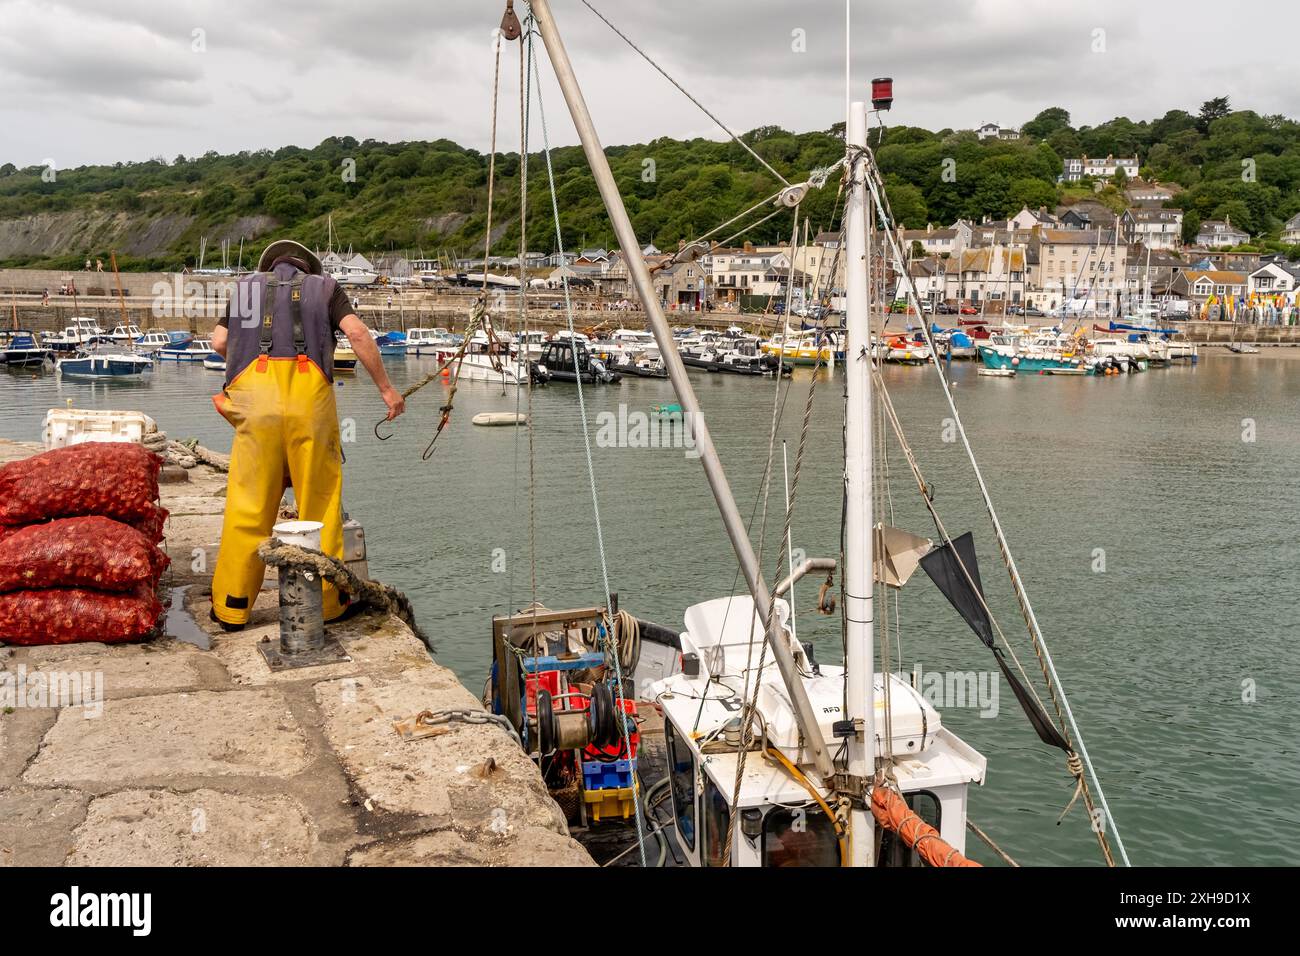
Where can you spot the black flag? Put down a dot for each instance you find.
(955, 572)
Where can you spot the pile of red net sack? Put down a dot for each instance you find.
(79, 559)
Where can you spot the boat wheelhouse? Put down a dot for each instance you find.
(778, 824)
(193, 350)
(26, 350)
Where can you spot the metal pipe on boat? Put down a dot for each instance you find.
(640, 275)
(805, 567)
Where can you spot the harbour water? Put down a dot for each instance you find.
(1151, 517)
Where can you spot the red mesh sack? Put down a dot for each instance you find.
(151, 524)
(73, 615)
(115, 479)
(91, 552)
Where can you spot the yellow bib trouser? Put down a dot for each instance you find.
(286, 433)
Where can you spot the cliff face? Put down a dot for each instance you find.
(79, 231)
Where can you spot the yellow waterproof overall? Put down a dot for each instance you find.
(286, 434)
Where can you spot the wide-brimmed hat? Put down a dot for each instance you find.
(287, 247)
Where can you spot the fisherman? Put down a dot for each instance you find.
(278, 339)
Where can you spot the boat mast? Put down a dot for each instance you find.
(639, 273)
(859, 660)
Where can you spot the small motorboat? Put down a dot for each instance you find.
(214, 361)
(345, 360)
(122, 334)
(997, 372)
(25, 350)
(79, 334)
(193, 350)
(153, 340)
(109, 365)
(569, 360)
(390, 343)
(430, 341)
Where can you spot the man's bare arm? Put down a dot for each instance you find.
(368, 355)
(219, 337)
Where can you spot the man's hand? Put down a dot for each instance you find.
(393, 399)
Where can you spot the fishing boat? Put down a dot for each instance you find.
(108, 365)
(26, 350)
(193, 350)
(772, 757)
(215, 362)
(1019, 352)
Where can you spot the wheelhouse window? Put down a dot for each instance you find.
(681, 773)
(799, 836)
(717, 817)
(893, 851)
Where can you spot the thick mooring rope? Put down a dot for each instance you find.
(376, 594)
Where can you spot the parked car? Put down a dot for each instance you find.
(945, 309)
(969, 310)
(1033, 311)
(927, 308)
(1015, 310)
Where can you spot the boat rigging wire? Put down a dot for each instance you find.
(684, 92)
(609, 634)
(1054, 686)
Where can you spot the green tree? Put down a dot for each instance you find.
(1051, 120)
(1211, 110)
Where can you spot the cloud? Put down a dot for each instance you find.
(297, 71)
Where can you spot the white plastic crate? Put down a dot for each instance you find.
(71, 426)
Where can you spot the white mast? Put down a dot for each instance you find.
(859, 662)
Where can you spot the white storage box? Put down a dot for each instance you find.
(71, 426)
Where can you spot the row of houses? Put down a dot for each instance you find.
(1033, 259)
(1099, 268)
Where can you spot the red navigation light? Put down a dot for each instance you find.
(882, 92)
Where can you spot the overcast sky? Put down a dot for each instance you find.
(88, 81)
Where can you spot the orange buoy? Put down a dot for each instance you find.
(892, 812)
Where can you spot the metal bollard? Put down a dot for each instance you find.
(302, 618)
(303, 642)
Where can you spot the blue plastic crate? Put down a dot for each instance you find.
(614, 775)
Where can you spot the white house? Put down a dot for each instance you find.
(1273, 278)
(994, 131)
(1156, 227)
(936, 241)
(1076, 169)
(1028, 218)
(1220, 234)
(1291, 231)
